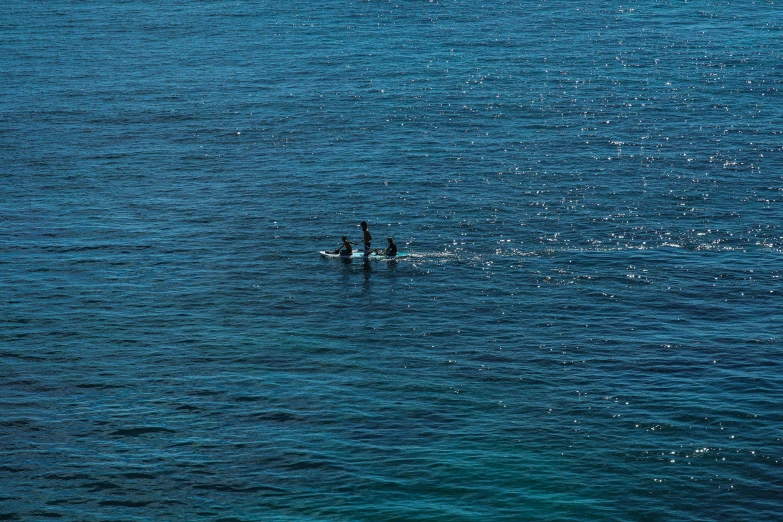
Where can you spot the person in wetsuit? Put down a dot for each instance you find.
(391, 250)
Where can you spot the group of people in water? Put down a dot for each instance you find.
(346, 249)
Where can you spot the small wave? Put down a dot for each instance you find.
(126, 503)
(433, 255)
(11, 469)
(238, 489)
(188, 407)
(135, 432)
(99, 486)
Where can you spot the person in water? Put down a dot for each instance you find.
(367, 238)
(346, 247)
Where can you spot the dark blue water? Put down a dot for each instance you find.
(589, 326)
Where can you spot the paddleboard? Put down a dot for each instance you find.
(360, 255)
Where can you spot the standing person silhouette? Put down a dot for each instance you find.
(367, 238)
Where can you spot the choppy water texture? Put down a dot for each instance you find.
(589, 327)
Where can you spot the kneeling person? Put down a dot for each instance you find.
(391, 250)
(346, 247)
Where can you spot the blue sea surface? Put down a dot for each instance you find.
(588, 326)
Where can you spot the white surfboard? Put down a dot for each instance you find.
(360, 255)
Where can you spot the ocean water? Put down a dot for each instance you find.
(589, 325)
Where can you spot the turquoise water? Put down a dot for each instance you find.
(588, 326)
